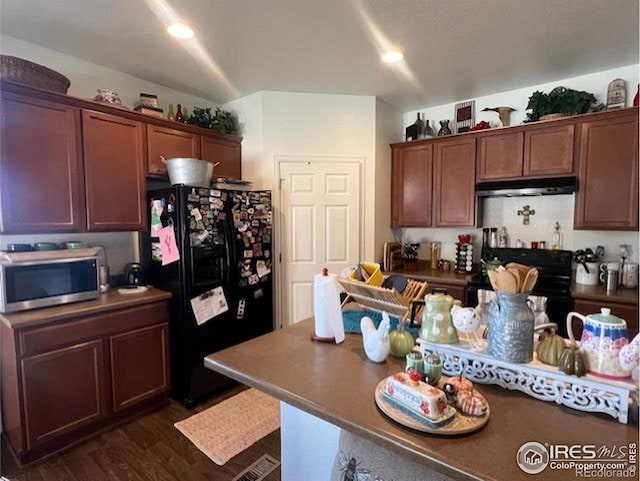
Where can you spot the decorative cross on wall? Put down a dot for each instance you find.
(526, 212)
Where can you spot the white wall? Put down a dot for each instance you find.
(85, 78)
(250, 112)
(502, 211)
(388, 130)
(595, 83)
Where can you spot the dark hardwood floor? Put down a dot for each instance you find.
(147, 449)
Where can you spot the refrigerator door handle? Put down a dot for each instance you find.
(228, 247)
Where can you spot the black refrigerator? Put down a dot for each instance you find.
(222, 281)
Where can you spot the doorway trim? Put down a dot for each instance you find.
(278, 224)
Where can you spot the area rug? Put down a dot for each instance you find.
(230, 427)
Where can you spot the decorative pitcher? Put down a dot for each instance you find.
(437, 325)
(511, 328)
(603, 337)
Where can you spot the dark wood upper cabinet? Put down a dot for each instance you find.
(139, 365)
(454, 169)
(412, 189)
(41, 177)
(500, 155)
(607, 196)
(63, 391)
(226, 152)
(168, 143)
(548, 150)
(114, 172)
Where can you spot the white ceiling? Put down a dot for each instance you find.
(454, 49)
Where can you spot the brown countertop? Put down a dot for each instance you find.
(337, 382)
(599, 293)
(424, 272)
(106, 302)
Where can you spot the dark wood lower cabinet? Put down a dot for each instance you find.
(67, 380)
(63, 390)
(139, 365)
(628, 312)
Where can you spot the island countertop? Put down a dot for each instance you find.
(336, 383)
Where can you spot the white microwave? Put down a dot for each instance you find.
(37, 279)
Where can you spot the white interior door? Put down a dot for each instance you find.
(320, 227)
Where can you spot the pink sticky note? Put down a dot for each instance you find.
(168, 245)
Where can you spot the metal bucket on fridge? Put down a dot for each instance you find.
(511, 323)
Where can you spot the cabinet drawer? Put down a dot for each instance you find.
(455, 291)
(41, 339)
(139, 365)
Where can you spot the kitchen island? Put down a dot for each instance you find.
(326, 387)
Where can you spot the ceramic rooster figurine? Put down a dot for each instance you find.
(376, 341)
(503, 112)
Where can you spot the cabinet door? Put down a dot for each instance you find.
(63, 391)
(168, 143)
(412, 175)
(500, 156)
(549, 150)
(454, 169)
(628, 312)
(139, 365)
(114, 172)
(228, 153)
(41, 179)
(454, 290)
(607, 196)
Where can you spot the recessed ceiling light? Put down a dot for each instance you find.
(392, 56)
(180, 30)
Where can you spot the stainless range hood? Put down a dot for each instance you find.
(527, 187)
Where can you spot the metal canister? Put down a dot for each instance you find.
(511, 323)
(611, 280)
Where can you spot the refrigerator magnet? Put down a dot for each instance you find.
(253, 279)
(257, 250)
(262, 269)
(216, 193)
(240, 312)
(168, 247)
(258, 293)
(222, 216)
(248, 254)
(209, 305)
(195, 213)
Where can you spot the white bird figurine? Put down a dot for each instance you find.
(376, 341)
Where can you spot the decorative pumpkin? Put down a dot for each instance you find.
(402, 342)
(550, 349)
(572, 362)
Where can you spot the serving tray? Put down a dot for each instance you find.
(460, 424)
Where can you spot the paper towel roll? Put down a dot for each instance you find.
(326, 307)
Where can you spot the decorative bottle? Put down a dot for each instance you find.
(185, 113)
(636, 99)
(444, 128)
(428, 131)
(556, 238)
(419, 126)
(170, 115)
(179, 116)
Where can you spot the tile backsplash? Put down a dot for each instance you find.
(503, 211)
